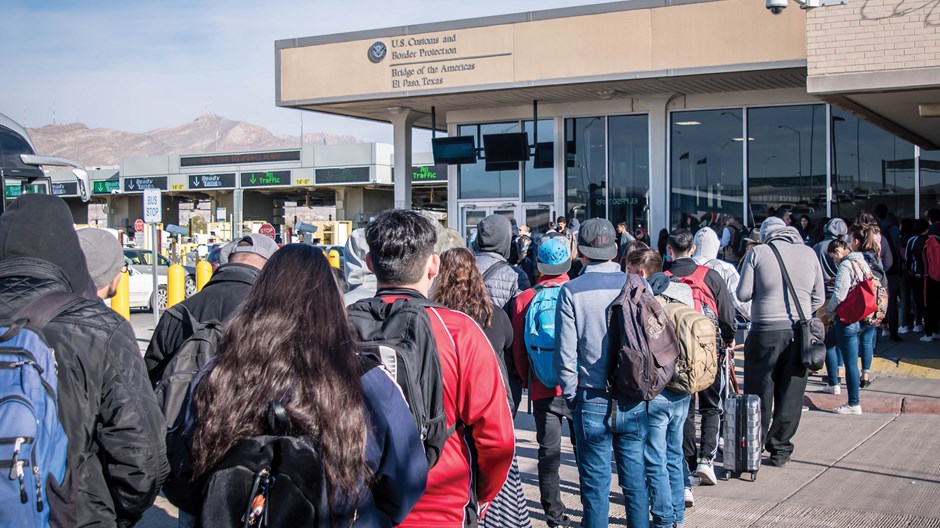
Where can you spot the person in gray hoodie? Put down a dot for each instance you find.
(834, 229)
(491, 249)
(773, 368)
(706, 254)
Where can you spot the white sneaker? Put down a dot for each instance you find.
(689, 499)
(918, 329)
(706, 472)
(848, 409)
(927, 338)
(904, 329)
(832, 389)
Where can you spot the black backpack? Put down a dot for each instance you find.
(738, 240)
(193, 354)
(642, 344)
(399, 334)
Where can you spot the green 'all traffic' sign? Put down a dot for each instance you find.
(265, 179)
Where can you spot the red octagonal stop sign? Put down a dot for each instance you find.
(139, 226)
(267, 230)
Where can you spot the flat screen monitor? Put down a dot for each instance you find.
(453, 150)
(501, 166)
(545, 155)
(500, 148)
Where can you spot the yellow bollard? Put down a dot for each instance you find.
(176, 285)
(334, 258)
(121, 302)
(203, 274)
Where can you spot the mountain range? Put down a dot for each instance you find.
(209, 133)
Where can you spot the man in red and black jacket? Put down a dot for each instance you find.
(710, 292)
(475, 460)
(549, 406)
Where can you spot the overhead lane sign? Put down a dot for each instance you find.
(212, 181)
(105, 186)
(265, 179)
(142, 184)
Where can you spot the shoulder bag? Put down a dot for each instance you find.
(810, 333)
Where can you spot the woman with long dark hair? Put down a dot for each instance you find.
(291, 343)
(459, 286)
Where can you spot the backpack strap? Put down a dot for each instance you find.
(38, 313)
(491, 271)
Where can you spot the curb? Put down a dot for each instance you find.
(875, 404)
(907, 367)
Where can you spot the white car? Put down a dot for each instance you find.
(141, 289)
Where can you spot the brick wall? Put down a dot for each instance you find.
(873, 36)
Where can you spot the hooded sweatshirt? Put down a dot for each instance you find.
(362, 282)
(835, 229)
(706, 254)
(762, 281)
(27, 230)
(491, 248)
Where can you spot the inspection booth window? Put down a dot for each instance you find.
(475, 182)
(869, 166)
(706, 167)
(929, 180)
(786, 162)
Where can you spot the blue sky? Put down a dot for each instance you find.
(139, 65)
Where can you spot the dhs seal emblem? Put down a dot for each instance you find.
(377, 52)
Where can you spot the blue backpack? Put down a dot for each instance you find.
(32, 441)
(540, 333)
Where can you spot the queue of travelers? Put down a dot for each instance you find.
(258, 404)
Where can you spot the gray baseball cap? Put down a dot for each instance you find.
(261, 245)
(597, 239)
(103, 255)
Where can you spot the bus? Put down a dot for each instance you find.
(23, 171)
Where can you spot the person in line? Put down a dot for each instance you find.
(566, 235)
(719, 306)
(104, 258)
(475, 461)
(891, 240)
(459, 286)
(916, 271)
(835, 230)
(116, 458)
(624, 238)
(726, 248)
(706, 254)
(548, 405)
(931, 287)
(219, 300)
(773, 368)
(857, 336)
(503, 280)
(581, 363)
(372, 455)
(906, 294)
(665, 460)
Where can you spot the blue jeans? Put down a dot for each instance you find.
(665, 462)
(598, 426)
(833, 362)
(856, 339)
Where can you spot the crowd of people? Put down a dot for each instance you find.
(387, 396)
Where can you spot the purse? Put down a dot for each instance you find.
(810, 333)
(861, 303)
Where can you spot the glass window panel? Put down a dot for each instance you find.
(628, 138)
(929, 180)
(585, 168)
(706, 166)
(786, 161)
(869, 166)
(539, 183)
(475, 182)
(538, 221)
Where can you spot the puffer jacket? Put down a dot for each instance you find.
(219, 300)
(505, 283)
(116, 452)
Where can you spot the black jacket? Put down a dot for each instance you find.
(219, 300)
(116, 453)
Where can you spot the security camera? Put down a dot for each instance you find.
(776, 6)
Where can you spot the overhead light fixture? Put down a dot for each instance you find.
(929, 110)
(687, 123)
(742, 139)
(605, 93)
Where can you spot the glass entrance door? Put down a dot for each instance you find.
(471, 214)
(538, 219)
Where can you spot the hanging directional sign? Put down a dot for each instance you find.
(212, 181)
(65, 188)
(105, 186)
(344, 175)
(141, 184)
(265, 179)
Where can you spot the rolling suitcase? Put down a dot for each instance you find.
(743, 442)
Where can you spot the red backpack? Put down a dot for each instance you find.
(701, 293)
(932, 257)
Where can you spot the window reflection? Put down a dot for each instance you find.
(869, 166)
(475, 181)
(706, 167)
(929, 180)
(585, 168)
(786, 161)
(539, 173)
(628, 138)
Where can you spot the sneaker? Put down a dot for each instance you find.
(904, 329)
(706, 472)
(927, 338)
(832, 389)
(848, 409)
(694, 481)
(918, 329)
(864, 384)
(689, 499)
(885, 332)
(805, 408)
